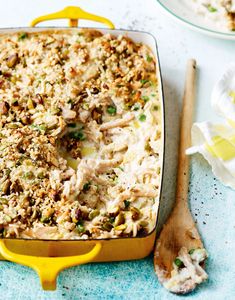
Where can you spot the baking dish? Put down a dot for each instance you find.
(49, 257)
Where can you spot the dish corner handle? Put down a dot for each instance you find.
(48, 268)
(74, 14)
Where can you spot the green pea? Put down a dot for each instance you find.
(72, 125)
(77, 135)
(211, 9)
(143, 81)
(127, 203)
(111, 110)
(178, 262)
(23, 36)
(136, 107)
(145, 98)
(191, 251)
(149, 58)
(107, 226)
(142, 117)
(86, 187)
(80, 228)
(111, 219)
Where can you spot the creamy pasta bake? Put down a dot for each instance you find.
(80, 136)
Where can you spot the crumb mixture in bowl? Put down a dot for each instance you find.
(80, 136)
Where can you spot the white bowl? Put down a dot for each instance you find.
(182, 12)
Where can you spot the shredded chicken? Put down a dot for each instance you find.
(118, 123)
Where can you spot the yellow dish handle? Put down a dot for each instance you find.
(73, 13)
(48, 268)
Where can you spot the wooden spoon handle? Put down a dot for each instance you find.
(185, 133)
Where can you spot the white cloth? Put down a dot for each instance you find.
(216, 142)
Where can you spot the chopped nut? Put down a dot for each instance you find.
(107, 226)
(85, 214)
(53, 193)
(4, 107)
(120, 219)
(121, 227)
(135, 213)
(13, 125)
(94, 213)
(1, 83)
(3, 200)
(7, 219)
(35, 214)
(38, 99)
(65, 54)
(30, 104)
(97, 115)
(45, 219)
(114, 211)
(143, 223)
(49, 212)
(12, 60)
(73, 72)
(6, 186)
(26, 120)
(78, 215)
(16, 187)
(105, 86)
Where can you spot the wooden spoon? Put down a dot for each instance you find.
(180, 230)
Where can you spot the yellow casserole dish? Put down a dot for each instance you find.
(49, 257)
